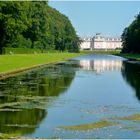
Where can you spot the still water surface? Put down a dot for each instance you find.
(92, 96)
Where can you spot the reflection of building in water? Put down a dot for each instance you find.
(101, 65)
(86, 64)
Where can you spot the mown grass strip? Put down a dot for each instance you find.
(10, 64)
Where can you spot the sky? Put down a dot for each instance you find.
(91, 17)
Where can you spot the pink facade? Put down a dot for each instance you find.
(101, 42)
(86, 44)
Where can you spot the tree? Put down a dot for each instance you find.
(12, 22)
(33, 24)
(131, 37)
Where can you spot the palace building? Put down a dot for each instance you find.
(101, 42)
(86, 43)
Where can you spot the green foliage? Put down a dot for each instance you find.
(131, 37)
(33, 24)
(19, 42)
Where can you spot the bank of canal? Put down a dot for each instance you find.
(90, 96)
(13, 64)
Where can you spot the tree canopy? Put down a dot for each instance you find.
(131, 37)
(34, 24)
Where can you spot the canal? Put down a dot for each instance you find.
(91, 96)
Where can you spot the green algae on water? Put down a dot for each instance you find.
(129, 127)
(10, 136)
(135, 118)
(96, 125)
(138, 131)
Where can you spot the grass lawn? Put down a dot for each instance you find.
(9, 63)
(19, 62)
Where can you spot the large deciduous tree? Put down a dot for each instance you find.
(34, 24)
(131, 37)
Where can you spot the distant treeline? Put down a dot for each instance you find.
(34, 24)
(131, 37)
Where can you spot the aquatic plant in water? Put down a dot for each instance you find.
(96, 125)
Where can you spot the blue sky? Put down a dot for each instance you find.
(107, 17)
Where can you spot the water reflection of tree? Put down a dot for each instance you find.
(46, 82)
(131, 73)
(21, 122)
(49, 81)
(54, 86)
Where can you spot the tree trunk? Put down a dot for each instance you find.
(32, 46)
(1, 50)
